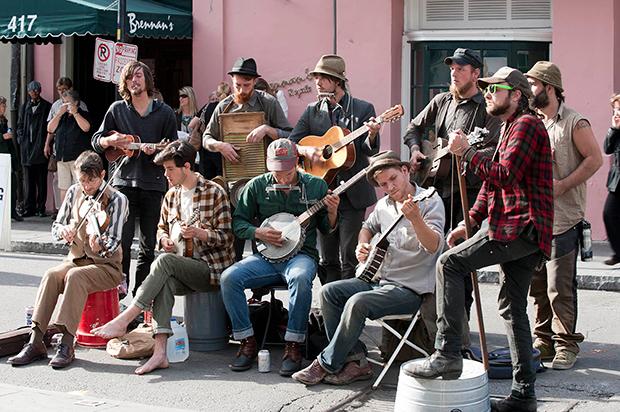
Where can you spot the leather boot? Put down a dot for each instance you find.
(291, 361)
(246, 355)
(64, 356)
(30, 352)
(510, 404)
(448, 365)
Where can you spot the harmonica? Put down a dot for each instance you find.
(323, 95)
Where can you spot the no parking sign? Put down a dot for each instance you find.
(110, 58)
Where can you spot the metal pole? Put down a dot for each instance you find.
(335, 28)
(121, 21)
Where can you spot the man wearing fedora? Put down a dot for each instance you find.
(406, 274)
(576, 158)
(337, 107)
(460, 108)
(246, 99)
(516, 203)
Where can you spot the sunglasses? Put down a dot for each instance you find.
(492, 88)
(182, 95)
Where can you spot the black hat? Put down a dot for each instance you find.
(383, 160)
(463, 57)
(244, 66)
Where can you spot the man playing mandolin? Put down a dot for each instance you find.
(283, 189)
(406, 272)
(93, 263)
(201, 211)
(337, 107)
(140, 179)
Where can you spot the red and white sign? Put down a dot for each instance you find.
(123, 54)
(104, 60)
(110, 58)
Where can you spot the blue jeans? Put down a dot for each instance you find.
(346, 304)
(255, 272)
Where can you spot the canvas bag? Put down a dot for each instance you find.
(138, 343)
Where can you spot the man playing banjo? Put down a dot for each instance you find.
(282, 189)
(195, 229)
(406, 272)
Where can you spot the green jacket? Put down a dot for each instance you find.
(256, 204)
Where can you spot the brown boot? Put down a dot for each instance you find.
(312, 375)
(351, 372)
(30, 352)
(64, 356)
(246, 355)
(291, 361)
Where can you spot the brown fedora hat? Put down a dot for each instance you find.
(332, 65)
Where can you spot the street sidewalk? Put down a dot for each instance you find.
(33, 236)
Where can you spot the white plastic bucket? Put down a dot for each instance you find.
(468, 393)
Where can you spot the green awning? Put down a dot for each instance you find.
(40, 20)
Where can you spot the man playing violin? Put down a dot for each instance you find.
(93, 263)
(191, 197)
(337, 107)
(143, 182)
(283, 189)
(406, 273)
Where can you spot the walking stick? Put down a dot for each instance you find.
(474, 276)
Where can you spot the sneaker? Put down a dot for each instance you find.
(564, 360)
(351, 372)
(312, 375)
(547, 351)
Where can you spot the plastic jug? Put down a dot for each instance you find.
(177, 347)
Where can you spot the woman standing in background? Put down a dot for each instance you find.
(611, 211)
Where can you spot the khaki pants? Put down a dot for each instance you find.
(74, 280)
(554, 289)
(171, 275)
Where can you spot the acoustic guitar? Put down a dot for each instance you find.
(440, 165)
(379, 245)
(293, 228)
(336, 151)
(133, 149)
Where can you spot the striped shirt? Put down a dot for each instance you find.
(117, 209)
(215, 216)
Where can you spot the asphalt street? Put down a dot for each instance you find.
(97, 381)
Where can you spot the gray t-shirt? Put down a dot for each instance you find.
(407, 263)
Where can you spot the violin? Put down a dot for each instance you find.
(133, 149)
(97, 220)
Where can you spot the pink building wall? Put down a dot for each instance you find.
(287, 37)
(584, 40)
(44, 58)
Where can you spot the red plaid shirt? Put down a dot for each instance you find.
(518, 182)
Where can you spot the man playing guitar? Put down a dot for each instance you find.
(407, 272)
(336, 107)
(140, 180)
(172, 274)
(283, 189)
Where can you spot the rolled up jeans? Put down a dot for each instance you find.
(255, 272)
(518, 260)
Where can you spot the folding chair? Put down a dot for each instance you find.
(402, 341)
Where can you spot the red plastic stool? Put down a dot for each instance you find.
(100, 308)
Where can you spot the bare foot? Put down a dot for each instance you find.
(156, 362)
(112, 329)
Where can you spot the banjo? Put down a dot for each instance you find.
(185, 247)
(293, 228)
(379, 246)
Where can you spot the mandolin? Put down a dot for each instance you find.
(379, 246)
(133, 149)
(293, 227)
(336, 151)
(185, 247)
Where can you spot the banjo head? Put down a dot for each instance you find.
(292, 233)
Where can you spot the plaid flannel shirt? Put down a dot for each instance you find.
(518, 182)
(215, 217)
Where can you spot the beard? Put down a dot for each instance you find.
(541, 100)
(499, 110)
(459, 93)
(241, 97)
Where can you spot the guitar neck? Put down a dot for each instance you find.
(305, 216)
(350, 137)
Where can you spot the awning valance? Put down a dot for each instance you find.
(36, 20)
